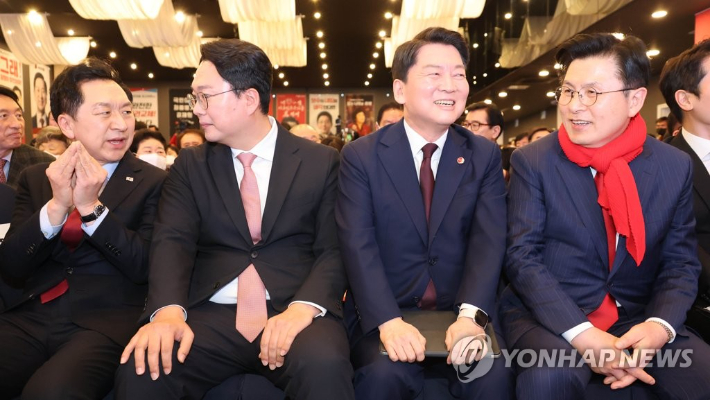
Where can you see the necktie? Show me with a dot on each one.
(426, 184)
(607, 313)
(3, 178)
(71, 236)
(251, 293)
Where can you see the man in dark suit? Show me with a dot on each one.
(79, 242)
(14, 156)
(687, 92)
(601, 249)
(246, 218)
(420, 215)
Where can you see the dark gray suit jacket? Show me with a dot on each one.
(23, 157)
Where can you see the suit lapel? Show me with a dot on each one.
(701, 178)
(395, 154)
(283, 171)
(448, 178)
(583, 192)
(124, 180)
(221, 166)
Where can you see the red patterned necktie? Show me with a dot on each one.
(426, 184)
(607, 314)
(3, 178)
(71, 236)
(251, 293)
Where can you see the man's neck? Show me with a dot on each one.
(5, 152)
(250, 135)
(695, 127)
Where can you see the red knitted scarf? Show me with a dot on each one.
(616, 186)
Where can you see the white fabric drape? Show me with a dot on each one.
(404, 29)
(254, 10)
(30, 39)
(432, 9)
(273, 34)
(164, 30)
(293, 57)
(181, 57)
(587, 7)
(117, 9)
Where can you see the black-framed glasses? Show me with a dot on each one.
(588, 97)
(473, 125)
(201, 98)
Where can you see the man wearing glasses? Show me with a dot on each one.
(601, 249)
(245, 275)
(484, 120)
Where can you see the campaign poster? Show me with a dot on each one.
(359, 113)
(11, 73)
(145, 105)
(323, 103)
(291, 105)
(39, 96)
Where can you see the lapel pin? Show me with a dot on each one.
(460, 160)
(129, 178)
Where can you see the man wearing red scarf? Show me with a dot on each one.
(601, 248)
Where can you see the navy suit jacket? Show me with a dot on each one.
(388, 250)
(557, 259)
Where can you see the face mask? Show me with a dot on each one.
(661, 131)
(155, 159)
(169, 160)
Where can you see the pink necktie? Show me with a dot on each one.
(3, 178)
(251, 295)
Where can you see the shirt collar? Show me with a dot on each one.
(266, 147)
(416, 141)
(700, 146)
(110, 168)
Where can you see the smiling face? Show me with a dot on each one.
(150, 146)
(40, 95)
(435, 93)
(596, 125)
(103, 123)
(12, 125)
(324, 124)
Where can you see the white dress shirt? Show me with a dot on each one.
(6, 168)
(700, 146)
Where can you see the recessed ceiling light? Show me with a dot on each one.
(375, 54)
(285, 83)
(497, 65)
(372, 66)
(388, 15)
(516, 107)
(134, 65)
(9, 31)
(503, 94)
(382, 33)
(326, 75)
(653, 52)
(488, 101)
(112, 54)
(276, 66)
(281, 75)
(550, 94)
(485, 34)
(508, 16)
(659, 14)
(618, 35)
(34, 17)
(326, 83)
(70, 32)
(322, 55)
(475, 45)
(544, 72)
(150, 75)
(475, 82)
(92, 44)
(558, 66)
(321, 45)
(378, 45)
(369, 76)
(316, 15)
(485, 74)
(180, 17)
(319, 34)
(367, 83)
(38, 44)
(324, 66)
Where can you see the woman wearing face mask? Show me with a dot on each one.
(149, 146)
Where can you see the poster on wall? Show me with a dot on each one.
(39, 94)
(323, 109)
(11, 73)
(145, 105)
(359, 113)
(181, 116)
(291, 105)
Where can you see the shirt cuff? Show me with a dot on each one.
(322, 310)
(666, 324)
(184, 312)
(91, 229)
(48, 230)
(466, 306)
(570, 334)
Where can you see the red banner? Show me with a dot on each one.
(291, 105)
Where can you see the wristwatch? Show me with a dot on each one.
(98, 210)
(478, 316)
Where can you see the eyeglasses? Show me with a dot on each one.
(202, 98)
(473, 125)
(588, 97)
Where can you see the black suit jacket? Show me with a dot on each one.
(23, 157)
(108, 272)
(202, 241)
(701, 207)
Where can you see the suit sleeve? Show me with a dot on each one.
(354, 214)
(486, 240)
(326, 281)
(525, 267)
(676, 284)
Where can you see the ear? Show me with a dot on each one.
(66, 124)
(636, 100)
(398, 90)
(496, 132)
(684, 100)
(253, 100)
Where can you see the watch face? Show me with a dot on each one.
(481, 318)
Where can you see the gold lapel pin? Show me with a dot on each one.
(129, 178)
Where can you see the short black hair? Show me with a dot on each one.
(243, 65)
(143, 134)
(406, 54)
(520, 137)
(65, 94)
(393, 105)
(684, 72)
(7, 92)
(495, 116)
(325, 113)
(633, 65)
(194, 131)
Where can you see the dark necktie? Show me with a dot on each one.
(3, 178)
(71, 236)
(426, 183)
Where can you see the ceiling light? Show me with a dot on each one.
(503, 94)
(544, 72)
(285, 83)
(485, 34)
(367, 83)
(326, 83)
(326, 75)
(378, 45)
(134, 66)
(322, 55)
(199, 33)
(653, 52)
(558, 66)
(388, 15)
(550, 94)
(92, 44)
(382, 33)
(618, 35)
(324, 66)
(369, 76)
(321, 45)
(180, 17)
(475, 82)
(112, 54)
(516, 107)
(70, 32)
(9, 31)
(342, 94)
(281, 75)
(34, 17)
(508, 16)
(474, 77)
(475, 45)
(316, 15)
(488, 101)
(273, 96)
(372, 66)
(659, 14)
(485, 74)
(319, 34)
(375, 54)
(150, 75)
(167, 54)
(193, 75)
(497, 65)
(276, 66)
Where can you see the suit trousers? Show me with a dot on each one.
(316, 367)
(46, 356)
(570, 383)
(378, 377)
